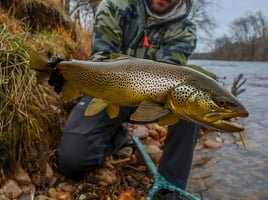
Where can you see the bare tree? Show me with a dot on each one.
(82, 5)
(247, 30)
(205, 23)
(82, 11)
(247, 41)
(224, 49)
(66, 5)
(259, 24)
(200, 15)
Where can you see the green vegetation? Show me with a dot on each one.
(32, 116)
(22, 118)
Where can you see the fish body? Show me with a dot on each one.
(161, 91)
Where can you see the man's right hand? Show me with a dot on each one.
(56, 79)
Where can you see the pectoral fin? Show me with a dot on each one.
(149, 111)
(168, 120)
(69, 92)
(95, 106)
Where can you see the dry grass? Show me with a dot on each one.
(42, 14)
(59, 42)
(31, 115)
(27, 114)
(53, 32)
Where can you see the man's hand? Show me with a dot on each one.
(56, 79)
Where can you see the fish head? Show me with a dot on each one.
(207, 103)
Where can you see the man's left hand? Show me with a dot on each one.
(56, 79)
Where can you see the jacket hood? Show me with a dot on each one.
(181, 10)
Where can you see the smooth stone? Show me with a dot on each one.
(22, 177)
(11, 189)
(212, 144)
(140, 132)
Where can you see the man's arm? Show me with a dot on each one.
(107, 33)
(179, 45)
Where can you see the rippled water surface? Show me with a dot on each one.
(231, 172)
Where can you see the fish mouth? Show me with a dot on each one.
(225, 122)
(228, 125)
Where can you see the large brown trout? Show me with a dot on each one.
(161, 91)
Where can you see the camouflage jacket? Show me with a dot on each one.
(122, 25)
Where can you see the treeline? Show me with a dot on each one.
(248, 40)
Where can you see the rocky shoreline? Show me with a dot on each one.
(122, 177)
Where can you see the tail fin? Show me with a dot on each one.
(38, 63)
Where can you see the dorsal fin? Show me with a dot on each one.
(119, 56)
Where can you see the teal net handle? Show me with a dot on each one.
(159, 182)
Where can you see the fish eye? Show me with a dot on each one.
(221, 101)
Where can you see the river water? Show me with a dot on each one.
(231, 172)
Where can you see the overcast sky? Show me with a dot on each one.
(226, 11)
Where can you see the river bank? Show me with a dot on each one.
(121, 175)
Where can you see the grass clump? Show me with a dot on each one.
(32, 115)
(27, 114)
